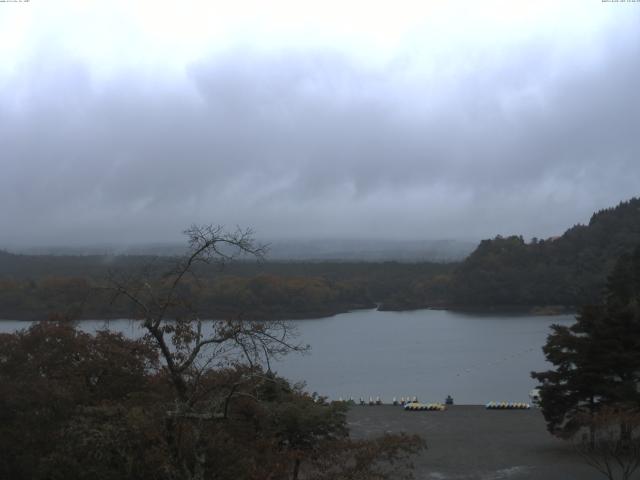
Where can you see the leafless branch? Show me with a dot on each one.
(614, 444)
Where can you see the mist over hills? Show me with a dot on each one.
(371, 250)
(367, 250)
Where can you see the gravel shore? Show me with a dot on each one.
(468, 442)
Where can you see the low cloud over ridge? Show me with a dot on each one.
(315, 141)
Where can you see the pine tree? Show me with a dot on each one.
(597, 359)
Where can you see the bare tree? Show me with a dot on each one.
(613, 445)
(190, 347)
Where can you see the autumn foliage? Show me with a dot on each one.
(76, 406)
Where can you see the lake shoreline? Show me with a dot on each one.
(538, 310)
(542, 311)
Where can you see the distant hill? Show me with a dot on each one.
(298, 250)
(371, 250)
(569, 270)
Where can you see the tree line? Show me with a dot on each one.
(34, 287)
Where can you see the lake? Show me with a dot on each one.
(427, 353)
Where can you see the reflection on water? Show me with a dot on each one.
(427, 353)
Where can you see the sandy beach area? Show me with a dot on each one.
(468, 442)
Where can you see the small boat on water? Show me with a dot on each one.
(507, 406)
(416, 406)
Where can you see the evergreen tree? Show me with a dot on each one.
(597, 360)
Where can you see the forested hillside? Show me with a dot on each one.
(569, 270)
(33, 287)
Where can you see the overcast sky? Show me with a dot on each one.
(128, 121)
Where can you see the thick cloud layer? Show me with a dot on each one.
(527, 137)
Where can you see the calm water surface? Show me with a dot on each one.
(427, 353)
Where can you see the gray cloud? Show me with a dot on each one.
(301, 143)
